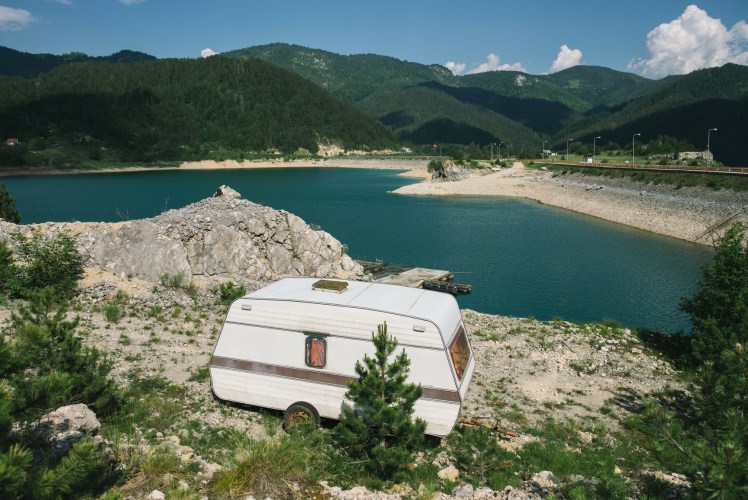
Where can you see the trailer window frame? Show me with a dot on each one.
(460, 352)
(315, 351)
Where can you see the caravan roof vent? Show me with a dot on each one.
(330, 286)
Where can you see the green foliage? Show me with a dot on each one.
(7, 269)
(127, 113)
(709, 441)
(65, 371)
(435, 165)
(379, 427)
(44, 365)
(112, 313)
(8, 210)
(42, 262)
(715, 95)
(202, 374)
(718, 308)
(477, 453)
(228, 292)
(266, 468)
(177, 282)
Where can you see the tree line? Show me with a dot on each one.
(173, 110)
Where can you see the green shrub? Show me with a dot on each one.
(228, 292)
(44, 365)
(42, 262)
(435, 165)
(171, 280)
(177, 282)
(112, 313)
(8, 210)
(477, 453)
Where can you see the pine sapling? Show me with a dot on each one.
(379, 428)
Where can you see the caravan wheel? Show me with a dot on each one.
(300, 413)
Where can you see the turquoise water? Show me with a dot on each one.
(522, 258)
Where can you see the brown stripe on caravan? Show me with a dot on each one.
(315, 376)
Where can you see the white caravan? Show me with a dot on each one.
(293, 346)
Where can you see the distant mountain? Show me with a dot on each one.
(601, 87)
(351, 78)
(175, 110)
(684, 107)
(499, 105)
(16, 63)
(424, 104)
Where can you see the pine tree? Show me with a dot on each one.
(8, 210)
(711, 444)
(716, 307)
(379, 428)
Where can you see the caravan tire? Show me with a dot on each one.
(299, 413)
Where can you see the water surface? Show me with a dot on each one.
(522, 258)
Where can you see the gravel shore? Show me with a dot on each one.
(687, 213)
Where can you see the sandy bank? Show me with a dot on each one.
(685, 213)
(414, 167)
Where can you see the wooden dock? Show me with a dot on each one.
(414, 277)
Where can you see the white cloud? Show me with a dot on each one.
(207, 53)
(492, 63)
(131, 2)
(566, 58)
(65, 2)
(455, 68)
(14, 19)
(691, 42)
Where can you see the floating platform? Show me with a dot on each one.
(414, 277)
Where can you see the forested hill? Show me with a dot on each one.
(177, 110)
(427, 103)
(684, 107)
(16, 63)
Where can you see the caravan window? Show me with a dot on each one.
(460, 352)
(316, 351)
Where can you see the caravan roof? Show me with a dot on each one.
(436, 307)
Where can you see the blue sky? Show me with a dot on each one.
(649, 37)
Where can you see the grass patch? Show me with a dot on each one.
(266, 468)
(201, 374)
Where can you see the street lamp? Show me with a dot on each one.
(708, 140)
(633, 144)
(542, 151)
(500, 144)
(593, 148)
(567, 149)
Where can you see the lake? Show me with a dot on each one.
(521, 258)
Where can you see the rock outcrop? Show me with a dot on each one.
(221, 237)
(450, 172)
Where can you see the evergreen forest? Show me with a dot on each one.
(173, 110)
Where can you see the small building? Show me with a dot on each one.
(11, 141)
